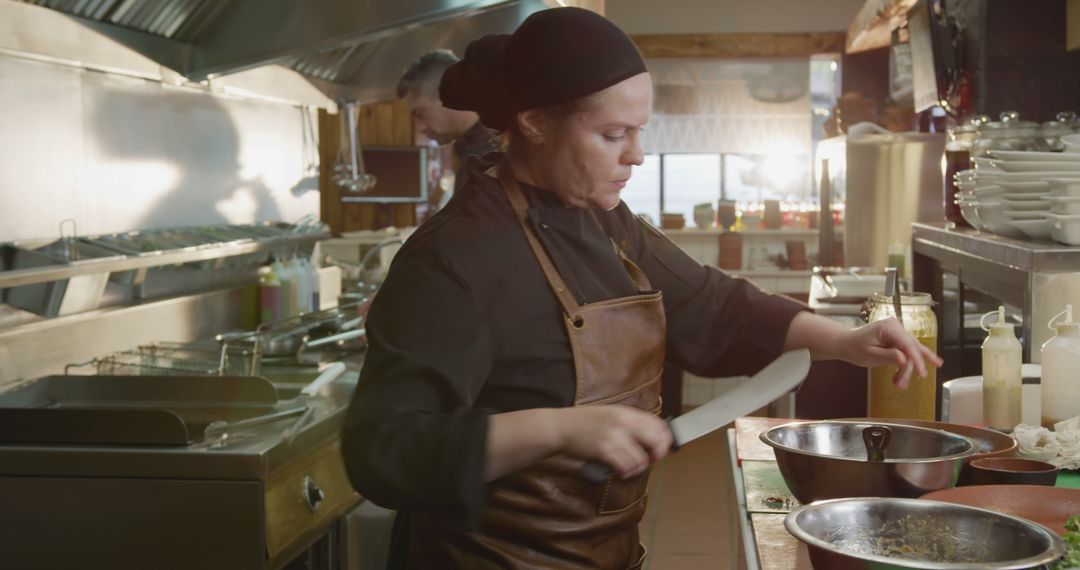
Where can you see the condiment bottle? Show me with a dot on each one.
(1060, 370)
(918, 401)
(270, 296)
(1002, 380)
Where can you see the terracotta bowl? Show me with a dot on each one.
(1012, 471)
(1048, 506)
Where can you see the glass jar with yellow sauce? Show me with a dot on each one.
(917, 402)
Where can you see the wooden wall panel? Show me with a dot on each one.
(330, 210)
(403, 125)
(739, 45)
(368, 134)
(385, 123)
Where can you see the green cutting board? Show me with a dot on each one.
(1069, 479)
(766, 491)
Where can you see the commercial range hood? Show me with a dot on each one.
(354, 49)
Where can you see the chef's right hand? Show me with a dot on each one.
(626, 439)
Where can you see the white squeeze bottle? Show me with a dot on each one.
(1061, 371)
(1002, 381)
(288, 287)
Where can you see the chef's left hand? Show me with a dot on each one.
(886, 342)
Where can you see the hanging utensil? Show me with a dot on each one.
(349, 170)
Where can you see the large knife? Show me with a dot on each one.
(778, 378)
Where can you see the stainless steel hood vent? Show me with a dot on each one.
(349, 48)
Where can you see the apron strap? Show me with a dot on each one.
(637, 276)
(521, 208)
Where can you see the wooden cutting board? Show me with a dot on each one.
(748, 444)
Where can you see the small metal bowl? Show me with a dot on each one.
(830, 459)
(886, 534)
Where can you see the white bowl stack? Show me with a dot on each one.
(1024, 194)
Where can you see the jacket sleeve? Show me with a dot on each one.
(718, 325)
(411, 439)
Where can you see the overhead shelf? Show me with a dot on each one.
(30, 276)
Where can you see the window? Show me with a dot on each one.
(755, 178)
(690, 179)
(740, 130)
(642, 192)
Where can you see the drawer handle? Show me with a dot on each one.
(313, 495)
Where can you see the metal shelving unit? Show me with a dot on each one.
(1006, 269)
(35, 275)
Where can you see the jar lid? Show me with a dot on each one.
(1012, 119)
(1056, 128)
(914, 299)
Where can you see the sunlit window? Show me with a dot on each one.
(690, 179)
(755, 178)
(642, 192)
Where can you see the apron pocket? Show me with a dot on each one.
(620, 495)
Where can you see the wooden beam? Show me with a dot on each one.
(739, 45)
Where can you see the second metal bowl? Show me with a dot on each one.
(888, 534)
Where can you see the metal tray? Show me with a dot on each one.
(129, 410)
(50, 299)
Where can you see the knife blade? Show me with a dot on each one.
(777, 378)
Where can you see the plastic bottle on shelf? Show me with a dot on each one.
(313, 276)
(1002, 381)
(1060, 367)
(303, 285)
(270, 296)
(299, 287)
(288, 288)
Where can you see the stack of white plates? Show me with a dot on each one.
(1020, 193)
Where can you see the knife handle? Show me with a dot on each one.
(597, 473)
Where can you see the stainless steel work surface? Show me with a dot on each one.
(251, 453)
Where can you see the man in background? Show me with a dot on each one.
(419, 88)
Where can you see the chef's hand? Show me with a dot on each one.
(626, 439)
(879, 343)
(886, 342)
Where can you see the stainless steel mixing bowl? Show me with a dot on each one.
(829, 459)
(864, 533)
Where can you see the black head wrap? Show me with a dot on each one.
(556, 56)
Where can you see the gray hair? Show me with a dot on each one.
(422, 77)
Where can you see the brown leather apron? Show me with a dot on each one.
(547, 516)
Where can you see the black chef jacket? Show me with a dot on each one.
(465, 325)
(478, 141)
